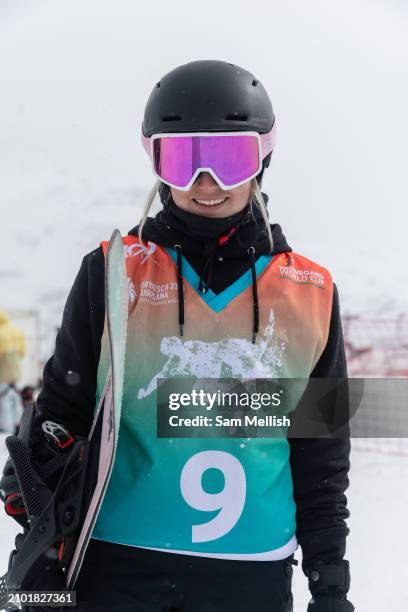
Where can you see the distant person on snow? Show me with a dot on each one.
(11, 409)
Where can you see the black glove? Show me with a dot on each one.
(330, 603)
(329, 585)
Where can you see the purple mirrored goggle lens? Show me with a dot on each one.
(232, 158)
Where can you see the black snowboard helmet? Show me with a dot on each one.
(209, 95)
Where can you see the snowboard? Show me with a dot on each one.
(103, 436)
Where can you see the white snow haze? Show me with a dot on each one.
(74, 78)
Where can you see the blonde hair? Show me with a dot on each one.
(256, 198)
(151, 198)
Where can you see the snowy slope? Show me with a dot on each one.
(376, 546)
(75, 77)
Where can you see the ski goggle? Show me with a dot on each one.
(232, 158)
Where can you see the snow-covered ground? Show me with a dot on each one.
(377, 545)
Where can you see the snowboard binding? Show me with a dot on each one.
(43, 488)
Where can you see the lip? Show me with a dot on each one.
(225, 198)
(210, 206)
(210, 197)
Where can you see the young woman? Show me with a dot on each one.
(214, 292)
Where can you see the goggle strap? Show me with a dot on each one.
(268, 142)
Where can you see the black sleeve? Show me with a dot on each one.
(320, 469)
(69, 377)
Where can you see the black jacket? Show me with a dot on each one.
(319, 466)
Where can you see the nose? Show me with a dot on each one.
(204, 179)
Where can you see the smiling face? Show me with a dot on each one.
(206, 198)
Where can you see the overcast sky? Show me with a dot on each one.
(75, 76)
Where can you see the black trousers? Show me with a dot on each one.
(119, 578)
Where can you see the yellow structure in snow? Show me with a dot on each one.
(12, 350)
